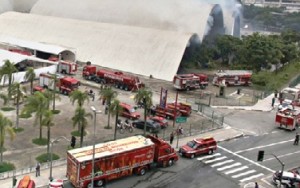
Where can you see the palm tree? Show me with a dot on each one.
(6, 73)
(18, 95)
(29, 77)
(5, 127)
(79, 96)
(80, 119)
(144, 96)
(4, 98)
(37, 103)
(48, 122)
(115, 109)
(108, 94)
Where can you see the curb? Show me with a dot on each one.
(231, 138)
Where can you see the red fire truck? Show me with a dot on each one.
(183, 108)
(168, 113)
(116, 159)
(190, 81)
(290, 96)
(64, 67)
(232, 78)
(118, 79)
(288, 118)
(65, 85)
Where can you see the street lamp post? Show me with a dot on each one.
(51, 152)
(93, 159)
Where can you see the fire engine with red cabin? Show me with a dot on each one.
(117, 78)
(64, 67)
(183, 108)
(232, 78)
(64, 84)
(288, 118)
(165, 112)
(116, 159)
(190, 81)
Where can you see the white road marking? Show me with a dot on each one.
(246, 159)
(280, 156)
(266, 181)
(251, 177)
(213, 160)
(229, 166)
(236, 170)
(244, 173)
(263, 146)
(222, 163)
(208, 157)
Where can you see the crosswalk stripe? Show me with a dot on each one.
(216, 159)
(229, 166)
(222, 163)
(251, 177)
(236, 170)
(209, 156)
(243, 174)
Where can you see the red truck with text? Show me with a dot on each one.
(116, 159)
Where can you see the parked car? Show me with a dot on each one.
(151, 126)
(162, 121)
(198, 146)
(289, 179)
(129, 111)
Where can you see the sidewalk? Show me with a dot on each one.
(59, 172)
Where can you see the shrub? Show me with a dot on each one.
(5, 166)
(44, 157)
(19, 129)
(55, 111)
(7, 108)
(25, 116)
(77, 133)
(40, 142)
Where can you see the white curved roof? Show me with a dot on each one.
(138, 50)
(188, 16)
(52, 49)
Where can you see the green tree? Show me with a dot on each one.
(6, 74)
(144, 96)
(38, 104)
(227, 47)
(115, 109)
(48, 122)
(108, 94)
(29, 77)
(5, 127)
(79, 97)
(4, 97)
(80, 119)
(18, 93)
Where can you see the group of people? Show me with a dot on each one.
(179, 131)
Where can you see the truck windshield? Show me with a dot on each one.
(191, 144)
(74, 86)
(132, 110)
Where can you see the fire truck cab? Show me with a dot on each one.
(288, 118)
(290, 96)
(232, 78)
(64, 67)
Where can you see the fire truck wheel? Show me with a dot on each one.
(126, 88)
(188, 88)
(142, 171)
(170, 162)
(168, 117)
(192, 156)
(99, 183)
(210, 152)
(65, 92)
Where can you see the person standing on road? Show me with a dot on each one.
(38, 170)
(296, 142)
(273, 101)
(171, 137)
(256, 185)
